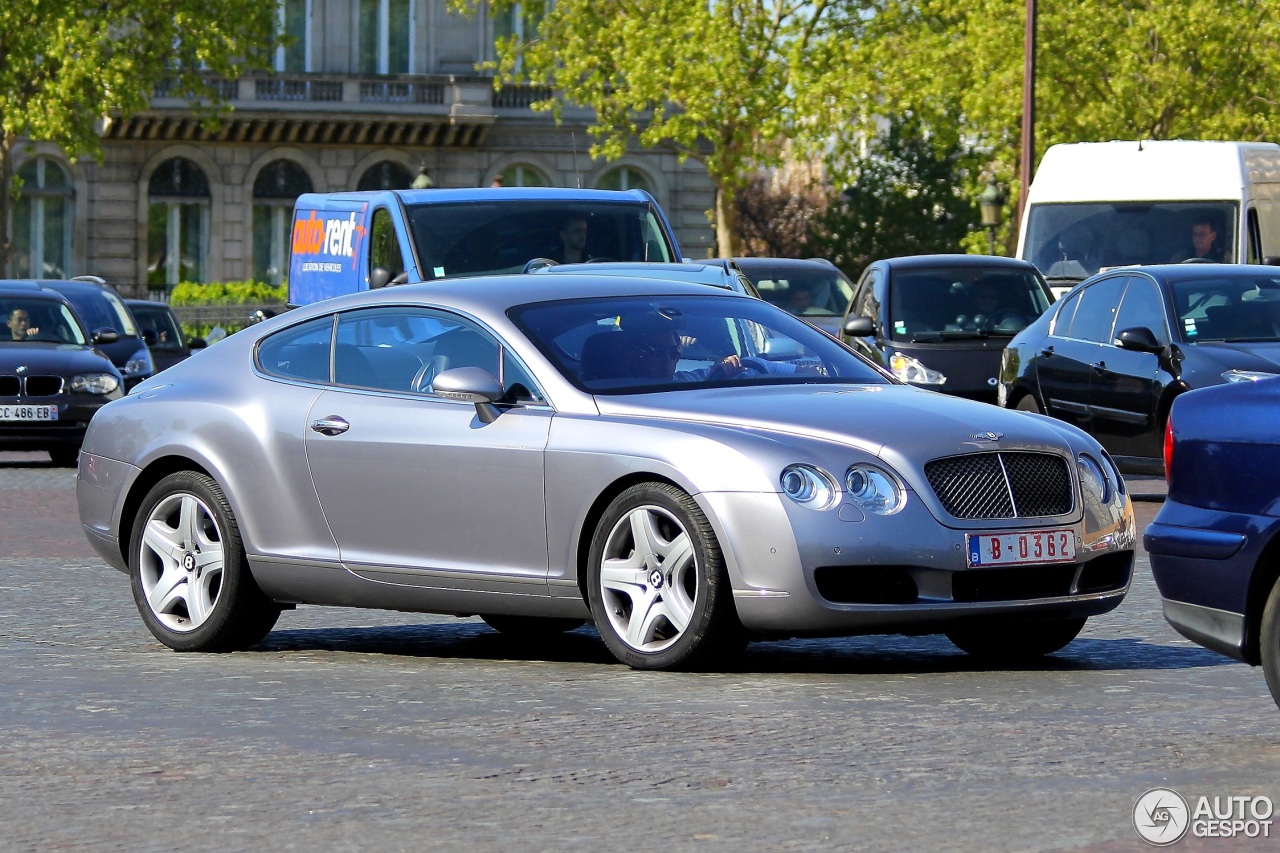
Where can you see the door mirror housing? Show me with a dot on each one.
(859, 327)
(105, 336)
(471, 385)
(1139, 339)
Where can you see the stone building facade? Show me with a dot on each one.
(370, 93)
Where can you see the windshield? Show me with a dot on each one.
(160, 321)
(938, 304)
(804, 292)
(1074, 241)
(483, 238)
(102, 309)
(32, 320)
(1228, 308)
(634, 344)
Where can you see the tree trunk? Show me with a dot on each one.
(728, 244)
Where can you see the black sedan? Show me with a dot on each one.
(941, 321)
(52, 380)
(162, 332)
(1115, 352)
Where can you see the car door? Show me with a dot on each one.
(1126, 388)
(1061, 367)
(416, 488)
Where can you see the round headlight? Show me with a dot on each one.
(808, 486)
(94, 383)
(874, 490)
(1094, 478)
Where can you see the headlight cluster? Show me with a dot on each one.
(1094, 476)
(910, 369)
(139, 364)
(94, 383)
(872, 489)
(1247, 375)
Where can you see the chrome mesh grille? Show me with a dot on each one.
(1002, 485)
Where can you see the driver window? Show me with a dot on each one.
(384, 245)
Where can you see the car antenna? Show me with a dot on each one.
(573, 140)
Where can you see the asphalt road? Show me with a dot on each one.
(362, 730)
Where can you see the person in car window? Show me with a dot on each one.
(573, 239)
(1204, 242)
(20, 327)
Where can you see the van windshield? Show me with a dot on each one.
(489, 237)
(1070, 242)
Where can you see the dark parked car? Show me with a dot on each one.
(941, 321)
(1115, 352)
(812, 288)
(162, 332)
(102, 310)
(1213, 545)
(52, 380)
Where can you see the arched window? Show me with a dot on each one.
(177, 223)
(521, 175)
(386, 36)
(625, 178)
(275, 190)
(387, 175)
(42, 222)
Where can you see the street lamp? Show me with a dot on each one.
(990, 203)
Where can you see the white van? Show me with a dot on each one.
(1096, 205)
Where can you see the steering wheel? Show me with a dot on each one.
(1008, 318)
(756, 365)
(603, 259)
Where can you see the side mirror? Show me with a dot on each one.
(197, 343)
(379, 277)
(105, 336)
(1139, 339)
(149, 337)
(1272, 260)
(471, 385)
(859, 327)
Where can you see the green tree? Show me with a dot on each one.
(66, 65)
(1106, 69)
(908, 197)
(715, 81)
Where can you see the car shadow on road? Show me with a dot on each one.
(878, 655)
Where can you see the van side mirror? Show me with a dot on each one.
(379, 277)
(859, 327)
(1139, 339)
(197, 343)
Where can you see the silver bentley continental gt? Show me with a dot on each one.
(685, 467)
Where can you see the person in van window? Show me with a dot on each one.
(1204, 242)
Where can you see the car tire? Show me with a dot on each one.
(64, 457)
(663, 602)
(190, 576)
(1269, 642)
(530, 627)
(1009, 640)
(1028, 403)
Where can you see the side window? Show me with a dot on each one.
(384, 245)
(299, 352)
(870, 294)
(1254, 249)
(1066, 312)
(1142, 306)
(1095, 316)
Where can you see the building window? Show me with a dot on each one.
(387, 175)
(42, 222)
(177, 223)
(386, 30)
(519, 21)
(521, 175)
(294, 20)
(275, 190)
(625, 178)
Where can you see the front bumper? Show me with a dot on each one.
(67, 431)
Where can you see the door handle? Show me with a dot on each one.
(1099, 367)
(1046, 352)
(331, 425)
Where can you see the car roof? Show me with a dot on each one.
(1186, 271)
(784, 263)
(12, 289)
(954, 260)
(520, 194)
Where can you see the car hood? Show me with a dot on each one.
(1242, 355)
(50, 358)
(921, 424)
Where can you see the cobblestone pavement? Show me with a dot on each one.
(362, 730)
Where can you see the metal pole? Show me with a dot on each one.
(991, 234)
(1028, 108)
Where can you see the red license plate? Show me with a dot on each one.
(1012, 548)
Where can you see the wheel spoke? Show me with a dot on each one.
(645, 612)
(188, 519)
(644, 533)
(199, 598)
(164, 540)
(676, 554)
(622, 575)
(676, 609)
(168, 590)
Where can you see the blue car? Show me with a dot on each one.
(1215, 544)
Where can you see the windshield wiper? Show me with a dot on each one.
(934, 337)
